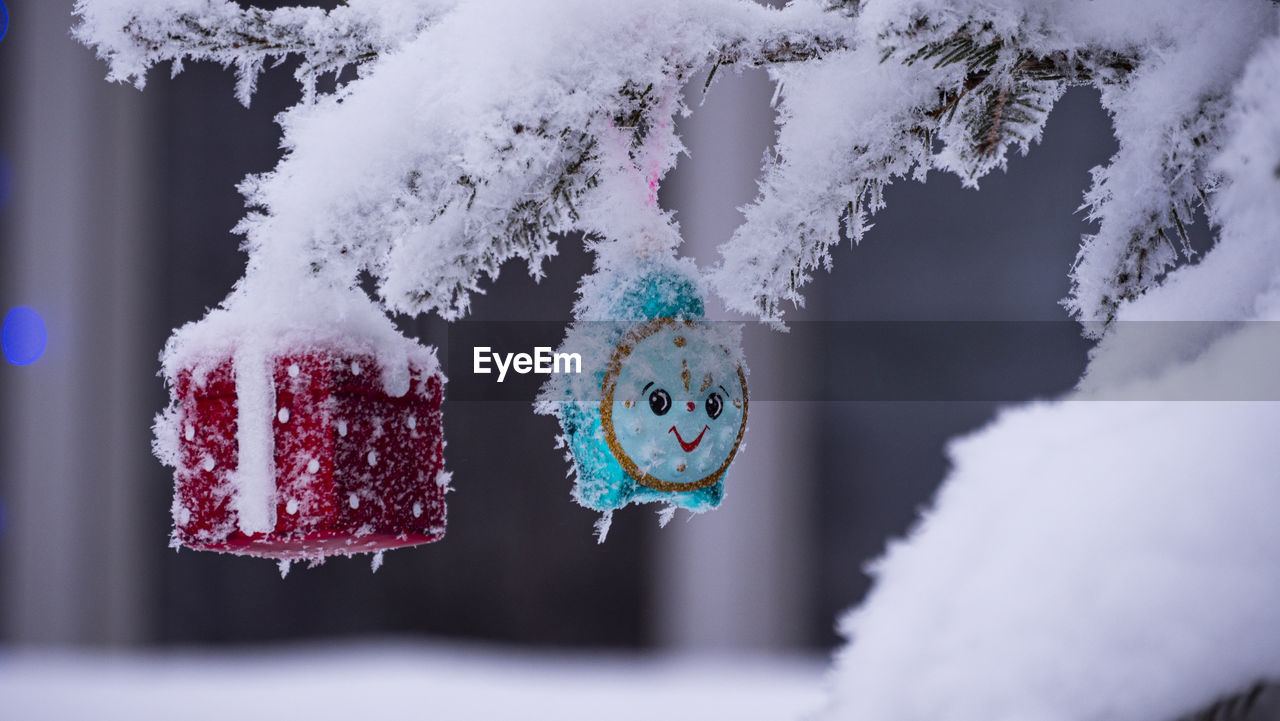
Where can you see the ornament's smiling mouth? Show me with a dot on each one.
(688, 447)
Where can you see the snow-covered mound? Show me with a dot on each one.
(401, 681)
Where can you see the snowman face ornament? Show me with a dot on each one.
(674, 407)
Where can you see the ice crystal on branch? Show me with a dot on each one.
(134, 36)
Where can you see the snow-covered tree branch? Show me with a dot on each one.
(939, 86)
(133, 37)
(488, 172)
(326, 41)
(947, 86)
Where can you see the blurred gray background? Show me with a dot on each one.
(117, 231)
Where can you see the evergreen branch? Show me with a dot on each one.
(980, 50)
(1147, 258)
(524, 230)
(1006, 91)
(134, 40)
(990, 131)
(1011, 99)
(263, 33)
(778, 49)
(1134, 248)
(1005, 96)
(1002, 97)
(328, 41)
(1237, 707)
(850, 8)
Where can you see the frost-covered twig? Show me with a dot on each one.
(779, 48)
(134, 36)
(952, 86)
(1239, 707)
(932, 95)
(1135, 244)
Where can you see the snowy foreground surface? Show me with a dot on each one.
(388, 680)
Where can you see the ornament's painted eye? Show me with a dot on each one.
(714, 405)
(659, 402)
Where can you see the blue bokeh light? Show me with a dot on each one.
(4, 19)
(23, 336)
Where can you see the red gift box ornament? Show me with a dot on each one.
(306, 450)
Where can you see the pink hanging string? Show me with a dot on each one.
(647, 161)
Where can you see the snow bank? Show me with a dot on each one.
(1085, 560)
(388, 681)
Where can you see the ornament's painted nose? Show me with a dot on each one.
(689, 406)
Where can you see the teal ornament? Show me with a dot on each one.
(659, 412)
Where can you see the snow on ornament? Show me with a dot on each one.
(661, 410)
(302, 442)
